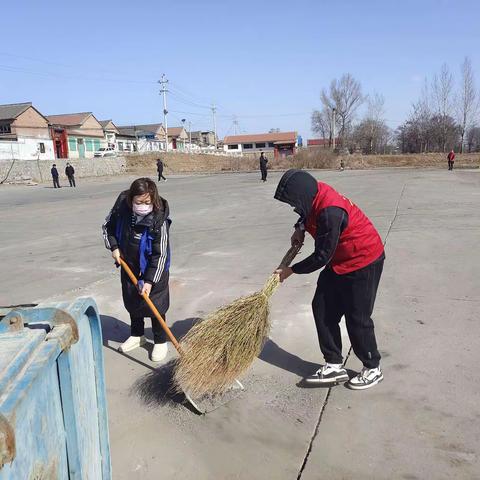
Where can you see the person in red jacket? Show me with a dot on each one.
(451, 159)
(351, 250)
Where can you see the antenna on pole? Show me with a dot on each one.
(163, 82)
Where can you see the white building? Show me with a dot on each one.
(281, 144)
(24, 133)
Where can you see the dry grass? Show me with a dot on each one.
(222, 347)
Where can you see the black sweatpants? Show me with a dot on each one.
(56, 183)
(138, 328)
(264, 173)
(352, 295)
(71, 179)
(450, 165)
(160, 175)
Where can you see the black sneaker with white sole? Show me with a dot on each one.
(327, 374)
(367, 378)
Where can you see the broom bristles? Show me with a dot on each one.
(222, 347)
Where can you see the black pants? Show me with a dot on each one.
(71, 179)
(160, 176)
(352, 295)
(450, 165)
(264, 173)
(138, 328)
(56, 183)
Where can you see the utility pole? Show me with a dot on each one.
(235, 125)
(214, 110)
(334, 111)
(190, 135)
(163, 82)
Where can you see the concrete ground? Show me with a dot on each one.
(228, 235)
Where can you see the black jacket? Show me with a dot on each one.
(128, 241)
(263, 162)
(159, 166)
(54, 172)
(69, 171)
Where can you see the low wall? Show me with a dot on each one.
(39, 170)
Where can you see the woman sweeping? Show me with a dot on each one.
(137, 230)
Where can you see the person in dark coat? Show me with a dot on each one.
(160, 169)
(351, 250)
(451, 159)
(263, 166)
(54, 173)
(70, 173)
(137, 229)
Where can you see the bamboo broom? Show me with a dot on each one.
(222, 347)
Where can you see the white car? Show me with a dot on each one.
(105, 152)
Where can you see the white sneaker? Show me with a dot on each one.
(367, 378)
(159, 352)
(328, 373)
(131, 343)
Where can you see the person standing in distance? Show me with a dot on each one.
(54, 173)
(160, 166)
(263, 166)
(70, 173)
(451, 159)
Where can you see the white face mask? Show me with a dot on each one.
(142, 209)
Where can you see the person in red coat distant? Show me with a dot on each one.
(351, 250)
(451, 159)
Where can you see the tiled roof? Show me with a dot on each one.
(287, 137)
(175, 131)
(13, 110)
(68, 119)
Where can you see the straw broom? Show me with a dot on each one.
(222, 347)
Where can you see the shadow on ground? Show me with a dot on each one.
(155, 388)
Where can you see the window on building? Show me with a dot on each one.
(5, 128)
(260, 145)
(233, 147)
(89, 145)
(247, 146)
(96, 144)
(271, 144)
(41, 146)
(72, 144)
(120, 146)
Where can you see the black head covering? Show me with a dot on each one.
(298, 189)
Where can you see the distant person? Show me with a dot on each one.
(451, 159)
(54, 173)
(70, 173)
(263, 166)
(160, 166)
(137, 230)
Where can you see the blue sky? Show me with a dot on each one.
(264, 61)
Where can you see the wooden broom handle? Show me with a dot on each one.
(290, 255)
(153, 308)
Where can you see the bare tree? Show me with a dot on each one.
(322, 124)
(442, 93)
(345, 95)
(466, 101)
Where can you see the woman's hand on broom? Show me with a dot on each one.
(116, 256)
(283, 273)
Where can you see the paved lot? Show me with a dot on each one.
(227, 236)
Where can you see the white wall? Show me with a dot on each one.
(26, 149)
